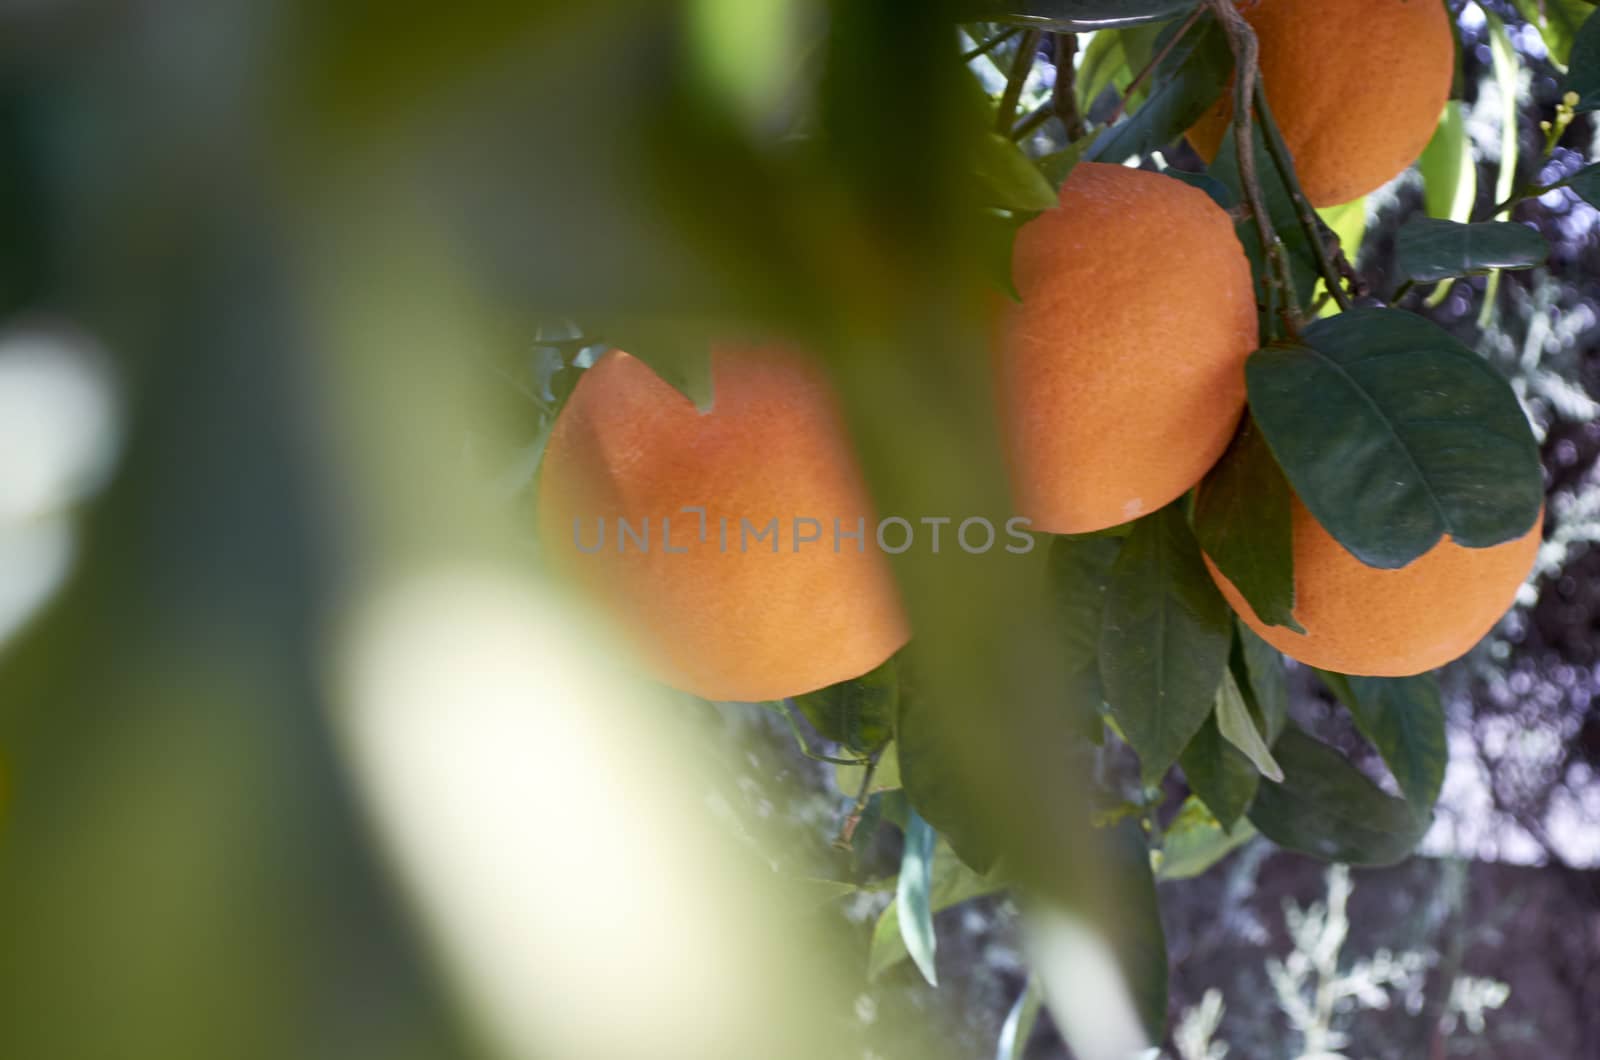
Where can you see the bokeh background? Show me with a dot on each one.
(300, 755)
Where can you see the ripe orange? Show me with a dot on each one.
(1355, 85)
(734, 615)
(1390, 623)
(1121, 373)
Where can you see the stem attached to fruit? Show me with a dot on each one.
(1246, 55)
(1302, 207)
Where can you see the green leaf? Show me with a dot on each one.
(952, 883)
(678, 352)
(1058, 165)
(1164, 641)
(1010, 179)
(1394, 434)
(1112, 59)
(1558, 22)
(1141, 943)
(1068, 16)
(1207, 183)
(884, 778)
(1080, 572)
(1403, 718)
(1219, 774)
(925, 774)
(995, 237)
(1326, 808)
(1586, 182)
(1264, 682)
(857, 714)
(1195, 841)
(1239, 729)
(1188, 80)
(1428, 249)
(1583, 76)
(913, 897)
(1449, 175)
(1018, 1027)
(1241, 519)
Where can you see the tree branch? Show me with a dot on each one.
(1027, 49)
(1064, 94)
(1302, 207)
(1155, 60)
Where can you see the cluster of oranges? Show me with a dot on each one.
(1120, 383)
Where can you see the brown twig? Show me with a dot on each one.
(1302, 207)
(847, 831)
(1027, 50)
(1064, 94)
(1155, 60)
(1246, 61)
(990, 45)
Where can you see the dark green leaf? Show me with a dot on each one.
(1062, 16)
(1165, 638)
(1080, 571)
(1428, 249)
(1449, 175)
(1207, 183)
(1263, 681)
(1393, 434)
(1141, 944)
(1403, 718)
(913, 897)
(859, 713)
(952, 883)
(1326, 808)
(1010, 179)
(926, 778)
(1583, 73)
(1241, 520)
(1195, 841)
(1219, 774)
(1188, 80)
(1586, 182)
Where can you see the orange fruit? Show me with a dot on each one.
(1390, 623)
(759, 603)
(1121, 372)
(1356, 87)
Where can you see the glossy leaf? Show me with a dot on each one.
(1219, 774)
(1449, 175)
(1188, 80)
(857, 714)
(1236, 726)
(952, 883)
(1393, 434)
(1009, 178)
(913, 897)
(1165, 638)
(1428, 249)
(1061, 16)
(1403, 718)
(1057, 165)
(1020, 1020)
(1326, 808)
(1241, 520)
(1583, 74)
(1080, 571)
(1195, 841)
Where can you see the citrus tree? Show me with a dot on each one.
(1227, 448)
